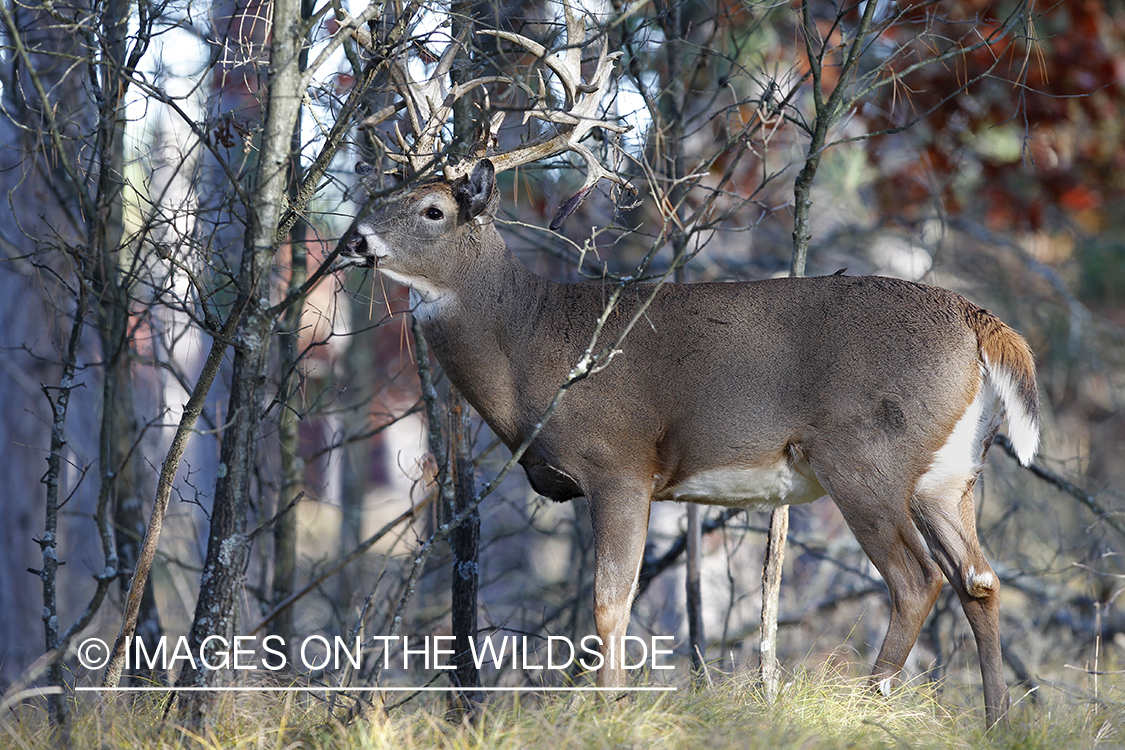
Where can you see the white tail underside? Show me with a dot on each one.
(1023, 431)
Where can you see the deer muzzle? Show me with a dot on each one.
(357, 251)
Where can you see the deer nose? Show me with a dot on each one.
(357, 245)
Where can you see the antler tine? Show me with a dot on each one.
(569, 75)
(575, 38)
(417, 96)
(429, 103)
(423, 108)
(583, 101)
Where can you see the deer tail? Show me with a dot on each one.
(1010, 368)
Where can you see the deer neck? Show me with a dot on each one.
(478, 328)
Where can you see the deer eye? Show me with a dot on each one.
(433, 214)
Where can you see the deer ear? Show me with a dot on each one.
(474, 192)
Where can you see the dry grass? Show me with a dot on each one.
(818, 710)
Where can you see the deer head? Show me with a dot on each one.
(443, 230)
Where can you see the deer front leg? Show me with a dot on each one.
(619, 515)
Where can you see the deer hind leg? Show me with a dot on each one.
(883, 527)
(946, 520)
(619, 515)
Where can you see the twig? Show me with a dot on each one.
(650, 569)
(276, 517)
(1066, 486)
(339, 564)
(49, 543)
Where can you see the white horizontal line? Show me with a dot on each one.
(327, 689)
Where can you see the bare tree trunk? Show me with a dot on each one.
(288, 420)
(464, 542)
(216, 611)
(120, 431)
(292, 467)
(768, 667)
(696, 638)
(58, 706)
(121, 478)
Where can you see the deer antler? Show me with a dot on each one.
(429, 103)
(428, 106)
(582, 102)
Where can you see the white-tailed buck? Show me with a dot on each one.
(883, 394)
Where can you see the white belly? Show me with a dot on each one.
(759, 487)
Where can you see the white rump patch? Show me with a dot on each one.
(961, 459)
(1022, 430)
(760, 487)
(885, 686)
